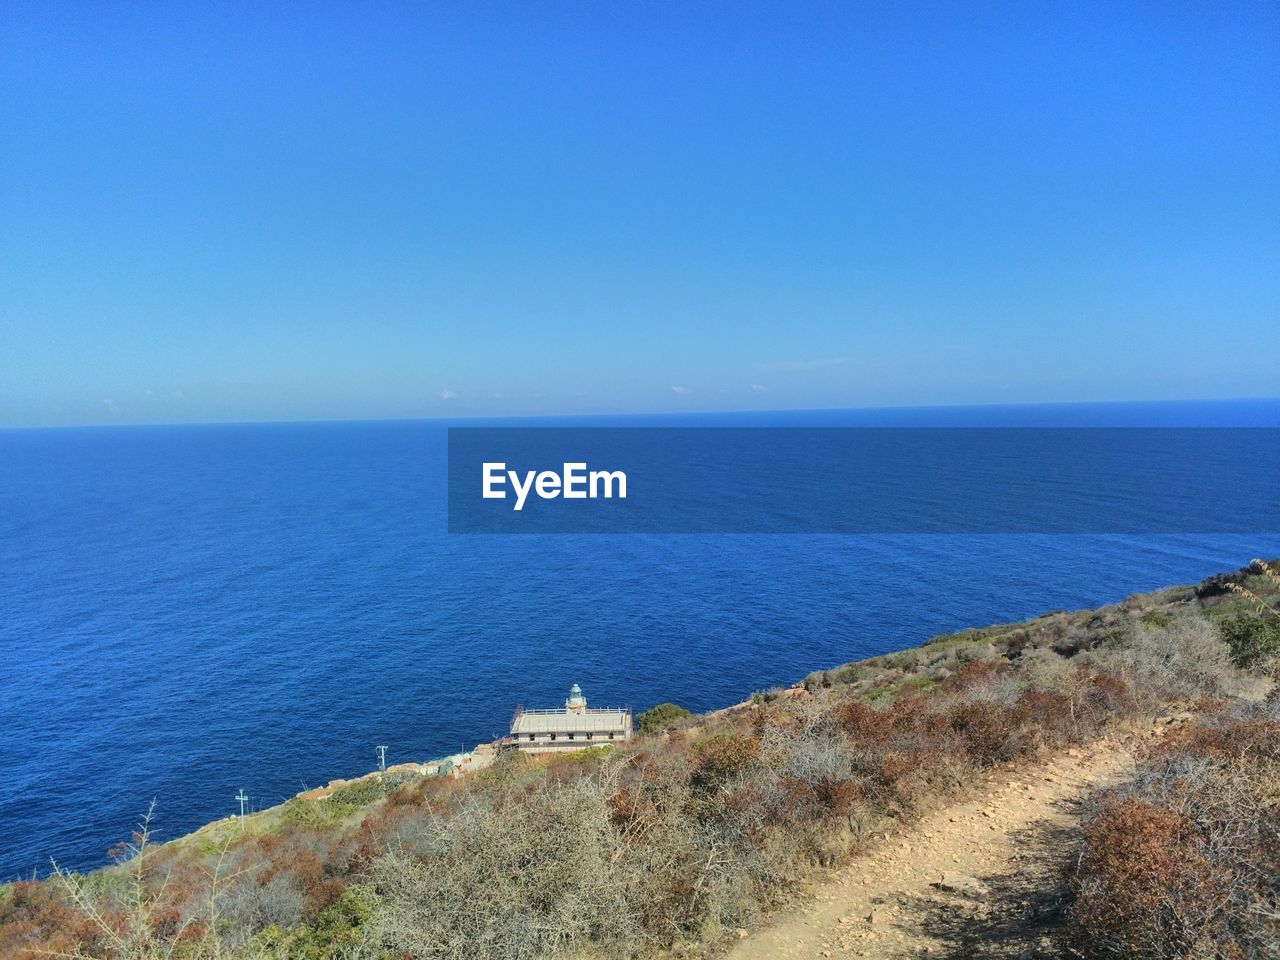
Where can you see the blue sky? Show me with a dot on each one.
(261, 211)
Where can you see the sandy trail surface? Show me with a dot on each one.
(980, 878)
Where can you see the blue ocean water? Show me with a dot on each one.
(188, 611)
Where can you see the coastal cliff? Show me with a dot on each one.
(707, 828)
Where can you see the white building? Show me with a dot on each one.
(576, 727)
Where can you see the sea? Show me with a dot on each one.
(191, 611)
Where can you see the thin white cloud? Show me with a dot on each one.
(447, 394)
(759, 388)
(814, 364)
(111, 405)
(682, 391)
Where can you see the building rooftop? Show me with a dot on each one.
(562, 721)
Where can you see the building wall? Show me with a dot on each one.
(542, 742)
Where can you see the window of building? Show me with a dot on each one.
(553, 736)
(531, 736)
(571, 736)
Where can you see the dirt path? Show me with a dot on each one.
(977, 879)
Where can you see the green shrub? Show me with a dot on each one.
(1157, 618)
(337, 931)
(1252, 637)
(661, 717)
(360, 792)
(316, 814)
(510, 768)
(917, 684)
(849, 673)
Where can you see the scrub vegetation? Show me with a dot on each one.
(702, 827)
(1184, 860)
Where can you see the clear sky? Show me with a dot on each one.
(216, 211)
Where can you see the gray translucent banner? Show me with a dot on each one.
(863, 480)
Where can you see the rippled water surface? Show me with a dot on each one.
(185, 611)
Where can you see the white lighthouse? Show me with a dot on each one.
(569, 729)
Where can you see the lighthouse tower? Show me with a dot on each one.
(576, 703)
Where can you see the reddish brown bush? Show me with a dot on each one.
(839, 796)
(1107, 695)
(893, 766)
(1230, 742)
(972, 673)
(984, 727)
(862, 722)
(1146, 890)
(321, 894)
(796, 793)
(625, 807)
(36, 916)
(1185, 862)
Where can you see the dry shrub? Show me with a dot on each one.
(1043, 721)
(1235, 741)
(864, 723)
(695, 863)
(1001, 730)
(839, 796)
(724, 757)
(35, 916)
(975, 673)
(150, 906)
(1185, 659)
(1105, 696)
(1185, 861)
(252, 906)
(1146, 889)
(984, 728)
(537, 879)
(819, 786)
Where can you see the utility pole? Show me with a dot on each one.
(382, 757)
(243, 798)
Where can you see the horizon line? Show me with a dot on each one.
(646, 413)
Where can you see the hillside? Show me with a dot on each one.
(709, 828)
